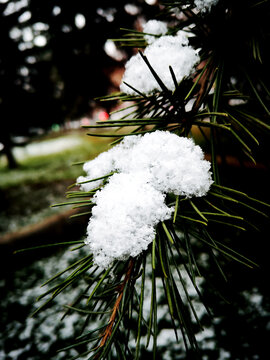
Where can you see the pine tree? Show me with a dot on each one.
(200, 74)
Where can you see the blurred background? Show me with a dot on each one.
(56, 57)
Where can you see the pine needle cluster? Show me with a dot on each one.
(226, 101)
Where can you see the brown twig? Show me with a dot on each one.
(203, 82)
(108, 331)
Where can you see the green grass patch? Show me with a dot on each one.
(53, 167)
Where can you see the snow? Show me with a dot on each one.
(164, 52)
(154, 27)
(132, 203)
(100, 166)
(205, 5)
(169, 162)
(172, 164)
(26, 337)
(46, 147)
(123, 220)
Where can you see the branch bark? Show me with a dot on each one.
(108, 331)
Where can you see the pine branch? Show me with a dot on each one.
(109, 328)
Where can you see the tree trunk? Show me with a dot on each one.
(12, 163)
(7, 150)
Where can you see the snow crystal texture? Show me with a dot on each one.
(132, 203)
(123, 220)
(154, 27)
(205, 5)
(164, 52)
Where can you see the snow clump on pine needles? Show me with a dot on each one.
(123, 220)
(164, 52)
(132, 203)
(154, 27)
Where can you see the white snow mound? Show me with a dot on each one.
(132, 203)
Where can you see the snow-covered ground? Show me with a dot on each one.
(23, 337)
(47, 147)
(39, 337)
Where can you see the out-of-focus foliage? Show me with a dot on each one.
(52, 58)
